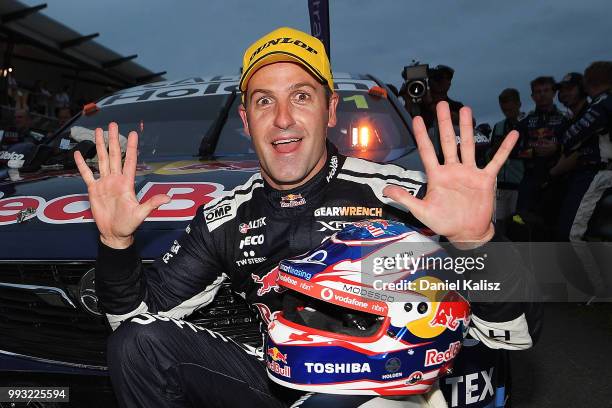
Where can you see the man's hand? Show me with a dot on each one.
(113, 201)
(564, 165)
(460, 197)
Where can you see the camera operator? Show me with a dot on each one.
(440, 81)
(424, 87)
(539, 144)
(422, 90)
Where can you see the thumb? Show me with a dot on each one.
(403, 197)
(152, 204)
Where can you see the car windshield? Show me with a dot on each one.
(368, 127)
(166, 128)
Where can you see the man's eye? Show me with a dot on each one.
(264, 101)
(302, 96)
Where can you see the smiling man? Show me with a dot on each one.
(291, 111)
(157, 359)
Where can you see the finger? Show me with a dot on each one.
(102, 153)
(84, 169)
(467, 146)
(131, 156)
(153, 203)
(503, 153)
(448, 139)
(426, 149)
(400, 195)
(114, 151)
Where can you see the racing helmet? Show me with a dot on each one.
(357, 320)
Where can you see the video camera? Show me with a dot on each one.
(416, 81)
(417, 76)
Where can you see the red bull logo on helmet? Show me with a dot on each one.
(275, 354)
(285, 371)
(435, 357)
(452, 310)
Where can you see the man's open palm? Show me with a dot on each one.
(113, 201)
(460, 197)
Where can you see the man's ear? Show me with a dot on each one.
(243, 115)
(333, 104)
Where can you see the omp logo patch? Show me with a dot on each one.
(217, 213)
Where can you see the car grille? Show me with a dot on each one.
(55, 326)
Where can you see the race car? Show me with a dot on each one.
(191, 147)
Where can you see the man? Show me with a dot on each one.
(62, 99)
(63, 116)
(154, 358)
(440, 81)
(575, 169)
(540, 143)
(591, 138)
(22, 132)
(511, 173)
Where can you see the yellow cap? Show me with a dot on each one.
(287, 45)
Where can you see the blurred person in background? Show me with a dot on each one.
(590, 136)
(62, 99)
(539, 144)
(440, 81)
(18, 97)
(63, 116)
(511, 174)
(575, 169)
(22, 131)
(40, 98)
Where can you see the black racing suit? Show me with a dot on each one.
(156, 359)
(591, 136)
(538, 126)
(577, 181)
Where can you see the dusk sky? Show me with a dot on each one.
(491, 44)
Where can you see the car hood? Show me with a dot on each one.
(46, 216)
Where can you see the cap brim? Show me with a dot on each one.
(278, 56)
